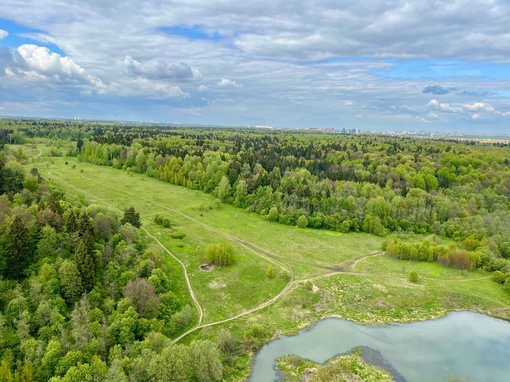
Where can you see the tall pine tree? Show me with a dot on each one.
(86, 266)
(18, 250)
(132, 217)
(86, 232)
(84, 254)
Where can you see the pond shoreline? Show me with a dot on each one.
(365, 336)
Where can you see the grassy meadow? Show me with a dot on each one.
(325, 273)
(294, 252)
(223, 292)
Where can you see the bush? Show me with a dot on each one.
(499, 277)
(273, 214)
(177, 234)
(302, 221)
(220, 254)
(160, 220)
(270, 272)
(413, 276)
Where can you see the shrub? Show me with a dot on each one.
(302, 221)
(160, 220)
(220, 254)
(273, 214)
(413, 276)
(499, 277)
(270, 272)
(177, 234)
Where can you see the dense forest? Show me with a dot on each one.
(457, 189)
(83, 296)
(81, 285)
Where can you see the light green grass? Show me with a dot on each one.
(394, 267)
(306, 250)
(222, 292)
(375, 289)
(309, 253)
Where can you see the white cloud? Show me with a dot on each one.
(442, 106)
(3, 34)
(474, 107)
(143, 87)
(472, 111)
(42, 38)
(32, 65)
(43, 64)
(203, 88)
(160, 69)
(227, 82)
(478, 106)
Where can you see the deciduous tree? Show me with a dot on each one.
(143, 296)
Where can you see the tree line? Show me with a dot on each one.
(83, 296)
(343, 183)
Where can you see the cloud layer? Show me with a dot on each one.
(322, 63)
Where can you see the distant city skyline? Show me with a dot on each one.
(369, 65)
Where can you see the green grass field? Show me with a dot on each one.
(318, 273)
(222, 292)
(325, 273)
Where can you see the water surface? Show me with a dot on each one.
(469, 345)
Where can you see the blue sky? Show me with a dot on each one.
(372, 65)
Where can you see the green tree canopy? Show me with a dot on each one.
(132, 217)
(18, 249)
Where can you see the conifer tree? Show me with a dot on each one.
(70, 280)
(18, 249)
(86, 232)
(132, 217)
(86, 267)
(71, 223)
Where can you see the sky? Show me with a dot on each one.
(368, 64)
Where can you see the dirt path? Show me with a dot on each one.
(251, 247)
(261, 306)
(190, 289)
(38, 155)
(351, 265)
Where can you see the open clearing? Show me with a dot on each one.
(223, 292)
(349, 277)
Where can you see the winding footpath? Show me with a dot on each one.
(251, 247)
(190, 289)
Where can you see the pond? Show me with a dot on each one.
(468, 345)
